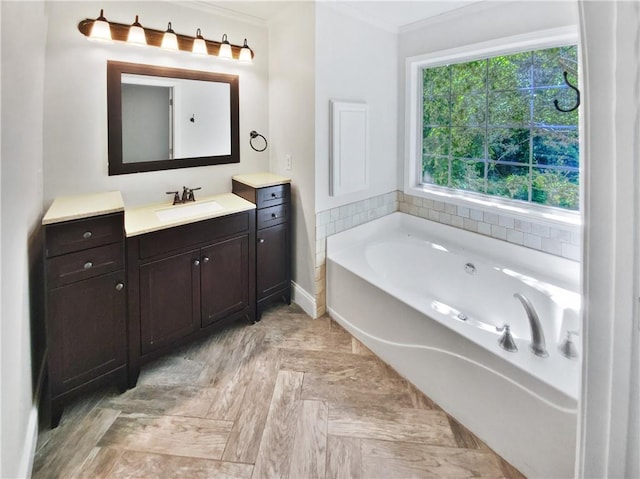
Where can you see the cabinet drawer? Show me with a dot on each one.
(85, 264)
(273, 216)
(82, 234)
(273, 195)
(193, 234)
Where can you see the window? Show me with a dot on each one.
(490, 127)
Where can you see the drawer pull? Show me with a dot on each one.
(87, 234)
(88, 265)
(196, 262)
(274, 195)
(274, 215)
(205, 259)
(119, 286)
(261, 240)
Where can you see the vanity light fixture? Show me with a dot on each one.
(100, 29)
(225, 48)
(169, 39)
(136, 34)
(199, 46)
(245, 53)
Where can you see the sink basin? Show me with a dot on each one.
(178, 212)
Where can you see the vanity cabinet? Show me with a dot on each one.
(85, 306)
(185, 281)
(273, 237)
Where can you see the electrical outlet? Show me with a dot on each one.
(287, 162)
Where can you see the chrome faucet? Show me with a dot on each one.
(538, 346)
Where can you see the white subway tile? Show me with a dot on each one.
(404, 207)
(463, 211)
(506, 221)
(438, 205)
(484, 228)
(477, 215)
(416, 200)
(331, 228)
(413, 210)
(434, 215)
(491, 218)
(514, 236)
(469, 224)
(321, 232)
(540, 230)
(335, 214)
(499, 232)
(340, 225)
(457, 221)
(444, 218)
(532, 241)
(343, 212)
(423, 212)
(523, 226)
(451, 209)
(427, 203)
(560, 234)
(324, 217)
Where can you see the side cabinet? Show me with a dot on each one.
(273, 241)
(85, 307)
(186, 281)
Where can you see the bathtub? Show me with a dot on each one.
(427, 298)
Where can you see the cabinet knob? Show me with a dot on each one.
(273, 195)
(273, 215)
(205, 259)
(88, 265)
(87, 234)
(261, 240)
(196, 262)
(119, 286)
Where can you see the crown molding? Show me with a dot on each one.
(451, 15)
(359, 14)
(207, 7)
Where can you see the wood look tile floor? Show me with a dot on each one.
(288, 397)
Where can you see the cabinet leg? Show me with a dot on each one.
(132, 377)
(56, 412)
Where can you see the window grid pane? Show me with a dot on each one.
(490, 127)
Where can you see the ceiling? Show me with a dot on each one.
(389, 14)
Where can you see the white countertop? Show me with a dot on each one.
(66, 208)
(261, 180)
(144, 219)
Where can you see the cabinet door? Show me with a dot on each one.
(225, 279)
(87, 330)
(169, 299)
(273, 259)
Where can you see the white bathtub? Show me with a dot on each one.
(400, 284)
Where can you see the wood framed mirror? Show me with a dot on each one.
(162, 118)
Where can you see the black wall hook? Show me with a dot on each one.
(254, 134)
(555, 102)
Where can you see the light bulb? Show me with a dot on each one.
(136, 34)
(225, 48)
(170, 40)
(100, 30)
(199, 46)
(245, 53)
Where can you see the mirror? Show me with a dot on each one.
(162, 118)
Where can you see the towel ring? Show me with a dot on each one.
(254, 134)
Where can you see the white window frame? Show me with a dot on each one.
(413, 185)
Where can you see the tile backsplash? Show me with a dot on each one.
(555, 240)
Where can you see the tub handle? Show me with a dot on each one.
(506, 341)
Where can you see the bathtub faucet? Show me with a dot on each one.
(538, 346)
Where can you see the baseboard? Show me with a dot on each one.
(303, 299)
(29, 447)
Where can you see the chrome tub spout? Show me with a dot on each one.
(538, 346)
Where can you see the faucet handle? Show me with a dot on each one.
(568, 348)
(187, 193)
(176, 196)
(506, 341)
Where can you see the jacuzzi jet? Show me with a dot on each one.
(470, 268)
(462, 316)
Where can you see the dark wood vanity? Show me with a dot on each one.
(116, 301)
(85, 306)
(273, 233)
(187, 280)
